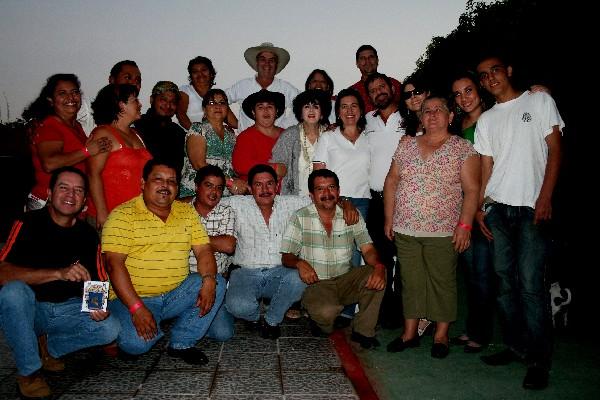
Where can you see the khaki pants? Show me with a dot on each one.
(324, 300)
(428, 273)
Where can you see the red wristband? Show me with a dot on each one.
(86, 152)
(380, 265)
(134, 307)
(466, 227)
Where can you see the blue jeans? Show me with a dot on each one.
(23, 319)
(247, 285)
(221, 329)
(480, 288)
(179, 303)
(519, 250)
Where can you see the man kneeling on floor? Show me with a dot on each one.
(319, 244)
(48, 256)
(147, 242)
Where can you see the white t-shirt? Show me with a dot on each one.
(350, 161)
(194, 110)
(244, 88)
(383, 140)
(513, 133)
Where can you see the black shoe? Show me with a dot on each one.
(341, 322)
(470, 349)
(536, 378)
(504, 357)
(459, 341)
(191, 355)
(269, 332)
(315, 330)
(123, 356)
(365, 342)
(252, 326)
(398, 344)
(439, 350)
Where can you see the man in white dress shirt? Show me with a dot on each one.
(267, 60)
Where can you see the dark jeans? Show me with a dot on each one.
(479, 272)
(519, 249)
(391, 306)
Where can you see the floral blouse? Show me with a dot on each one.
(428, 198)
(218, 152)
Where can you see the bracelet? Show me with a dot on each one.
(229, 182)
(466, 227)
(380, 265)
(86, 152)
(134, 307)
(212, 276)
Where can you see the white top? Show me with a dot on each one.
(244, 88)
(85, 117)
(194, 110)
(350, 161)
(383, 140)
(514, 134)
(258, 245)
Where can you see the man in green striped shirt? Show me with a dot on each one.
(318, 243)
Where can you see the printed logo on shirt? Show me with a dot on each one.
(526, 117)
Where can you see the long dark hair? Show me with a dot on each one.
(459, 114)
(410, 119)
(41, 107)
(362, 121)
(105, 107)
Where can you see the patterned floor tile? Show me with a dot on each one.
(94, 396)
(308, 361)
(148, 396)
(167, 362)
(209, 345)
(143, 362)
(255, 361)
(321, 397)
(323, 383)
(110, 381)
(247, 383)
(295, 331)
(308, 345)
(8, 387)
(177, 383)
(245, 344)
(5, 372)
(245, 397)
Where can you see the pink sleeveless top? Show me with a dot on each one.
(122, 173)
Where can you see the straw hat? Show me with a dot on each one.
(283, 57)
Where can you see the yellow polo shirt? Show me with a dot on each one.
(157, 251)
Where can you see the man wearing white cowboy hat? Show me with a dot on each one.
(267, 60)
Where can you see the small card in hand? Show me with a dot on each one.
(95, 296)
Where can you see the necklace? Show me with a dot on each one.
(307, 148)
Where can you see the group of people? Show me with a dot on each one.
(199, 224)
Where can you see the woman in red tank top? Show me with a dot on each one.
(116, 176)
(58, 139)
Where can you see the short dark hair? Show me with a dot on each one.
(362, 121)
(366, 47)
(210, 96)
(316, 97)
(153, 162)
(208, 170)
(205, 61)
(105, 107)
(321, 173)
(40, 108)
(377, 75)
(56, 173)
(116, 69)
(325, 75)
(259, 169)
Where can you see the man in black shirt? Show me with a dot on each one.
(48, 256)
(163, 138)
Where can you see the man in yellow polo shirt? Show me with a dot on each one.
(147, 242)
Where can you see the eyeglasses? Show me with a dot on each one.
(217, 103)
(410, 93)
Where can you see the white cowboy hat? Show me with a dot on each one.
(283, 57)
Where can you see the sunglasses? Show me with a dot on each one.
(410, 93)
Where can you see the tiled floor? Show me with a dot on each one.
(294, 367)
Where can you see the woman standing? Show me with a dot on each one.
(210, 142)
(115, 177)
(58, 139)
(413, 93)
(294, 150)
(431, 219)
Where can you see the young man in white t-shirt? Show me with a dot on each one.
(519, 143)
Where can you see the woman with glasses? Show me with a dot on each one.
(210, 142)
(413, 93)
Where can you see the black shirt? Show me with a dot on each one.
(36, 241)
